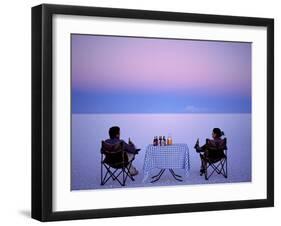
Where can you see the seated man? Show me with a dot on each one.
(130, 149)
(210, 150)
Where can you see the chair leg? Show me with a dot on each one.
(206, 170)
(123, 169)
(202, 167)
(219, 168)
(223, 169)
(111, 174)
(128, 171)
(101, 172)
(115, 175)
(226, 168)
(101, 176)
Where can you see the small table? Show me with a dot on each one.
(169, 157)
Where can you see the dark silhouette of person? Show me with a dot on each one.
(217, 141)
(129, 148)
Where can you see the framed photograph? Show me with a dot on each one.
(139, 112)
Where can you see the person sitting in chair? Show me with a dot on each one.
(129, 148)
(210, 144)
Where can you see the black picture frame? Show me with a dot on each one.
(42, 106)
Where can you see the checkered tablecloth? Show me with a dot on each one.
(174, 156)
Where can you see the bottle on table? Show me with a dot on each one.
(160, 140)
(156, 141)
(164, 141)
(169, 140)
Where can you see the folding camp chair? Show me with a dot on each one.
(215, 158)
(115, 161)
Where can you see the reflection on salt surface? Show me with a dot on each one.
(89, 129)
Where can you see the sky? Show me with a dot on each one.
(115, 74)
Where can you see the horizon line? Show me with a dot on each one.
(144, 113)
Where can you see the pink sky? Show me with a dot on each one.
(102, 62)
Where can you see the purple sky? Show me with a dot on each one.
(193, 71)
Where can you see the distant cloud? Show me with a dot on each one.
(193, 109)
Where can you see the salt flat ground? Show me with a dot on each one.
(89, 129)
